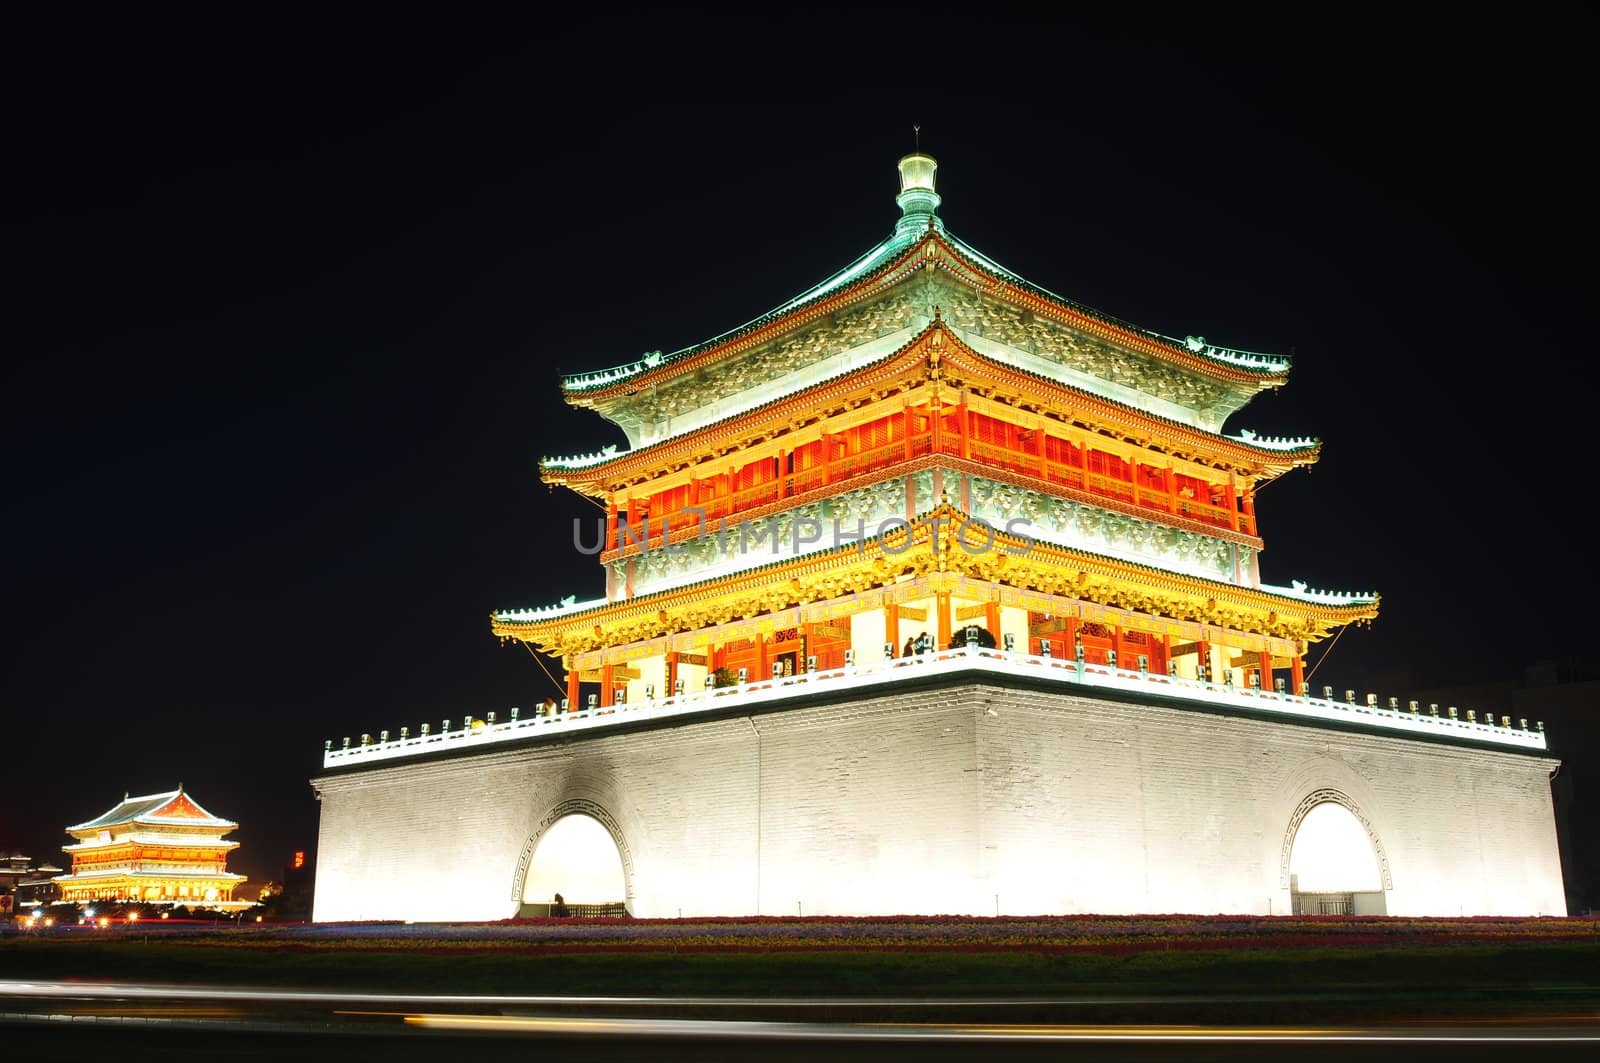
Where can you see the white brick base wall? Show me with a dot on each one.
(973, 798)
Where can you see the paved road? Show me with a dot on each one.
(74, 1020)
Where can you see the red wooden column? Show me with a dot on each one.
(625, 517)
(1116, 645)
(572, 687)
(1264, 666)
(827, 458)
(1297, 679)
(891, 626)
(1205, 660)
(942, 603)
(1248, 500)
(611, 525)
(908, 419)
(991, 620)
(1040, 451)
(607, 682)
(808, 645)
(1231, 496)
(785, 485)
(1072, 636)
(672, 674)
(935, 415)
(763, 669)
(964, 426)
(1170, 480)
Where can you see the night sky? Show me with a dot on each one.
(294, 301)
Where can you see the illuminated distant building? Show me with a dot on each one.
(27, 886)
(156, 849)
(933, 591)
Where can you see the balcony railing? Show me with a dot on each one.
(971, 660)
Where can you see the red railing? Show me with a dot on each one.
(839, 471)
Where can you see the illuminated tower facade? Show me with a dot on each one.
(931, 591)
(157, 849)
(926, 446)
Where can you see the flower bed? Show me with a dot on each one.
(1108, 935)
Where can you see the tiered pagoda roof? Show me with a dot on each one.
(881, 266)
(922, 308)
(931, 544)
(1246, 451)
(171, 809)
(891, 291)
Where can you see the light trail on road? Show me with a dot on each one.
(745, 1030)
(747, 1019)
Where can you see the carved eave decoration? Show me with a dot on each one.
(882, 561)
(987, 303)
(934, 363)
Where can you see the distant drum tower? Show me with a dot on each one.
(933, 591)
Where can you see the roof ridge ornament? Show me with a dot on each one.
(1199, 345)
(918, 202)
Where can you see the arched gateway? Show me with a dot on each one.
(584, 861)
(1333, 862)
(800, 516)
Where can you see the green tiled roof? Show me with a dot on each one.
(886, 254)
(144, 808)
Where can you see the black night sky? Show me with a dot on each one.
(294, 299)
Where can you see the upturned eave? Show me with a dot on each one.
(933, 250)
(933, 547)
(597, 478)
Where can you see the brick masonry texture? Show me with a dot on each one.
(973, 798)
